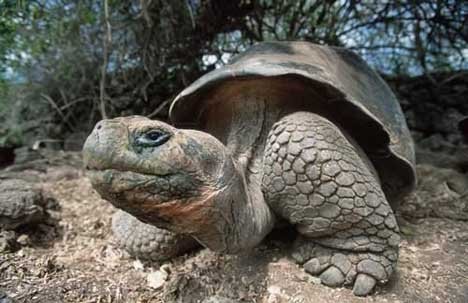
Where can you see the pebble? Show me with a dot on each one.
(274, 290)
(23, 240)
(137, 265)
(156, 279)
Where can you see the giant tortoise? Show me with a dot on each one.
(287, 131)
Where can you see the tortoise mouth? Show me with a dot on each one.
(158, 200)
(122, 180)
(118, 180)
(93, 171)
(126, 189)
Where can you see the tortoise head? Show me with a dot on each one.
(162, 175)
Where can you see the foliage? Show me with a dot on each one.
(65, 64)
(43, 56)
(396, 37)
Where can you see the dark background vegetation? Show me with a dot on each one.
(66, 64)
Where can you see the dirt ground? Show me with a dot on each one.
(73, 258)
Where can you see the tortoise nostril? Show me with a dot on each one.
(99, 126)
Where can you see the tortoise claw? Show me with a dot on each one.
(363, 285)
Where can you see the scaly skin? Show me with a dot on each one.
(147, 242)
(323, 184)
(189, 183)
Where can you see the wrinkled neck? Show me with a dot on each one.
(242, 125)
(239, 219)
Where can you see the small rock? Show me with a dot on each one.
(7, 241)
(23, 240)
(156, 279)
(274, 290)
(21, 203)
(166, 268)
(21, 253)
(313, 279)
(137, 265)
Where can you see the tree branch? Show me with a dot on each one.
(106, 43)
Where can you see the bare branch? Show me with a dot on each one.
(107, 40)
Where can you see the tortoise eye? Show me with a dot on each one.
(152, 138)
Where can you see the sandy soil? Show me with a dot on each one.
(73, 258)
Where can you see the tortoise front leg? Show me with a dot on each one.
(324, 184)
(147, 242)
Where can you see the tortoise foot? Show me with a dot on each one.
(337, 267)
(147, 242)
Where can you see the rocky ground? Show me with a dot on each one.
(72, 257)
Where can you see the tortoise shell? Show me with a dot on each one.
(353, 95)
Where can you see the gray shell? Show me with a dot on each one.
(357, 97)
